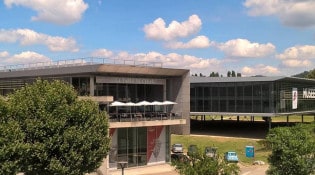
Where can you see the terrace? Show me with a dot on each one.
(142, 111)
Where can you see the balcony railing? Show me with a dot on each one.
(148, 116)
(78, 62)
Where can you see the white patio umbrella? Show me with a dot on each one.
(143, 103)
(117, 103)
(156, 103)
(130, 104)
(169, 103)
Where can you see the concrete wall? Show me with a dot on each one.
(179, 91)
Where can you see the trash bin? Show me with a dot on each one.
(249, 151)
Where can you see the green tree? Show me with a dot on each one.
(311, 74)
(11, 142)
(199, 163)
(61, 134)
(293, 150)
(238, 75)
(229, 74)
(213, 74)
(233, 74)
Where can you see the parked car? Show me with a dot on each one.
(192, 149)
(231, 156)
(177, 148)
(211, 151)
(179, 158)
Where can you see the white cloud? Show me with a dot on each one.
(298, 52)
(103, 53)
(25, 58)
(30, 37)
(62, 12)
(172, 60)
(296, 63)
(158, 30)
(298, 56)
(245, 49)
(4, 54)
(198, 42)
(260, 70)
(296, 13)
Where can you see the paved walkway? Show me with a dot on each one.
(161, 169)
(166, 169)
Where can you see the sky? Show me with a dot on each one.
(251, 37)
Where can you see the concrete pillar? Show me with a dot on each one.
(302, 118)
(287, 119)
(92, 86)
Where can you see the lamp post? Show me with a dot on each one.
(123, 165)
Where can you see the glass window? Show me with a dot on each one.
(132, 146)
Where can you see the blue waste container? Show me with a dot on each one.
(249, 151)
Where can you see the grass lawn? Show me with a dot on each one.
(223, 145)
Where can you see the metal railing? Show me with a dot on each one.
(133, 117)
(77, 62)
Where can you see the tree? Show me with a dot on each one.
(60, 133)
(229, 74)
(293, 150)
(238, 75)
(11, 142)
(199, 163)
(213, 74)
(311, 74)
(233, 73)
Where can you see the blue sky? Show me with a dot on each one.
(252, 37)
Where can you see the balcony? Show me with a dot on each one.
(145, 119)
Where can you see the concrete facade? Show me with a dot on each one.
(105, 83)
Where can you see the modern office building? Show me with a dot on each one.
(140, 134)
(252, 96)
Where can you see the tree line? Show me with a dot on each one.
(216, 74)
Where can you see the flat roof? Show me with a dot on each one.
(196, 79)
(83, 67)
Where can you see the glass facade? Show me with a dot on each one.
(250, 96)
(139, 145)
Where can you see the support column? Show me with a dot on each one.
(269, 122)
(302, 118)
(238, 118)
(92, 86)
(222, 118)
(287, 119)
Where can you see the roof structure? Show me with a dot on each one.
(195, 79)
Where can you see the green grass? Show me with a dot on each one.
(223, 145)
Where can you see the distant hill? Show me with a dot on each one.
(301, 75)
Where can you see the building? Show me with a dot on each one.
(252, 96)
(140, 134)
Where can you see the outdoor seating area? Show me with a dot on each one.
(141, 111)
